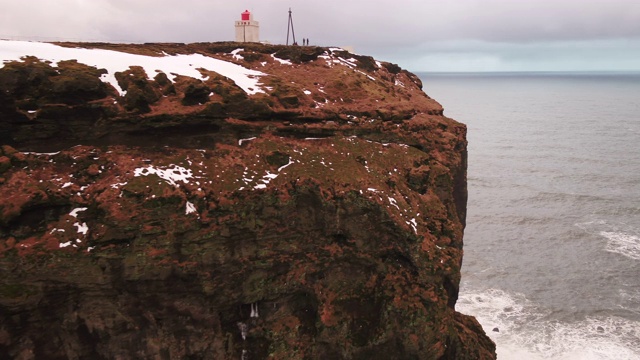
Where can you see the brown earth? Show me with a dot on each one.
(321, 220)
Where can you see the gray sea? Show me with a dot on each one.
(551, 265)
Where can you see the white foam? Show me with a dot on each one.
(527, 331)
(621, 238)
(623, 244)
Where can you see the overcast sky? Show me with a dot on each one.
(420, 35)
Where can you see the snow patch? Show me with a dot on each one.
(170, 175)
(75, 211)
(414, 225)
(190, 209)
(117, 185)
(115, 61)
(243, 140)
(393, 202)
(30, 152)
(235, 54)
(284, 166)
(281, 61)
(82, 228)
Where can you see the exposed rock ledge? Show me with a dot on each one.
(316, 214)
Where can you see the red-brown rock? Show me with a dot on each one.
(321, 220)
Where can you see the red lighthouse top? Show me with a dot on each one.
(246, 15)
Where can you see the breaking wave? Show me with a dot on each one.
(621, 238)
(523, 330)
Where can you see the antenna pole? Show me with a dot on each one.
(290, 26)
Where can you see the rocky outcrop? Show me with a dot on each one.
(186, 218)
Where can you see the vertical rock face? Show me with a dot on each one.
(192, 218)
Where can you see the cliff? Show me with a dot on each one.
(245, 201)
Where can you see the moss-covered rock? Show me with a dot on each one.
(321, 218)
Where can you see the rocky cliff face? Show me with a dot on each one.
(316, 213)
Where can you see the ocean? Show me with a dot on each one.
(551, 263)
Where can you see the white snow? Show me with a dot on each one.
(307, 92)
(414, 225)
(284, 166)
(254, 310)
(82, 228)
(66, 185)
(114, 61)
(170, 175)
(365, 74)
(350, 62)
(266, 180)
(64, 245)
(190, 208)
(281, 61)
(75, 211)
(393, 202)
(117, 185)
(247, 139)
(235, 54)
(28, 152)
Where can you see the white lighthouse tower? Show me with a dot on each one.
(247, 29)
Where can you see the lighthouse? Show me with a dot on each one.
(247, 29)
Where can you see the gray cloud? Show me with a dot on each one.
(487, 33)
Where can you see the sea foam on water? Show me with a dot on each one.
(526, 331)
(624, 244)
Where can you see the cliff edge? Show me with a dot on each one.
(227, 201)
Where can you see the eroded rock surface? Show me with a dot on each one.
(185, 218)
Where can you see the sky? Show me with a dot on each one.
(419, 35)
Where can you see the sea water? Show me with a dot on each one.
(551, 263)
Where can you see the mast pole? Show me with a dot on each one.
(290, 26)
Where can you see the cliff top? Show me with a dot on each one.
(173, 78)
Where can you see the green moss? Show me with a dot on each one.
(196, 93)
(151, 185)
(14, 291)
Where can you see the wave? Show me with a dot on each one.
(523, 330)
(621, 238)
(624, 244)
